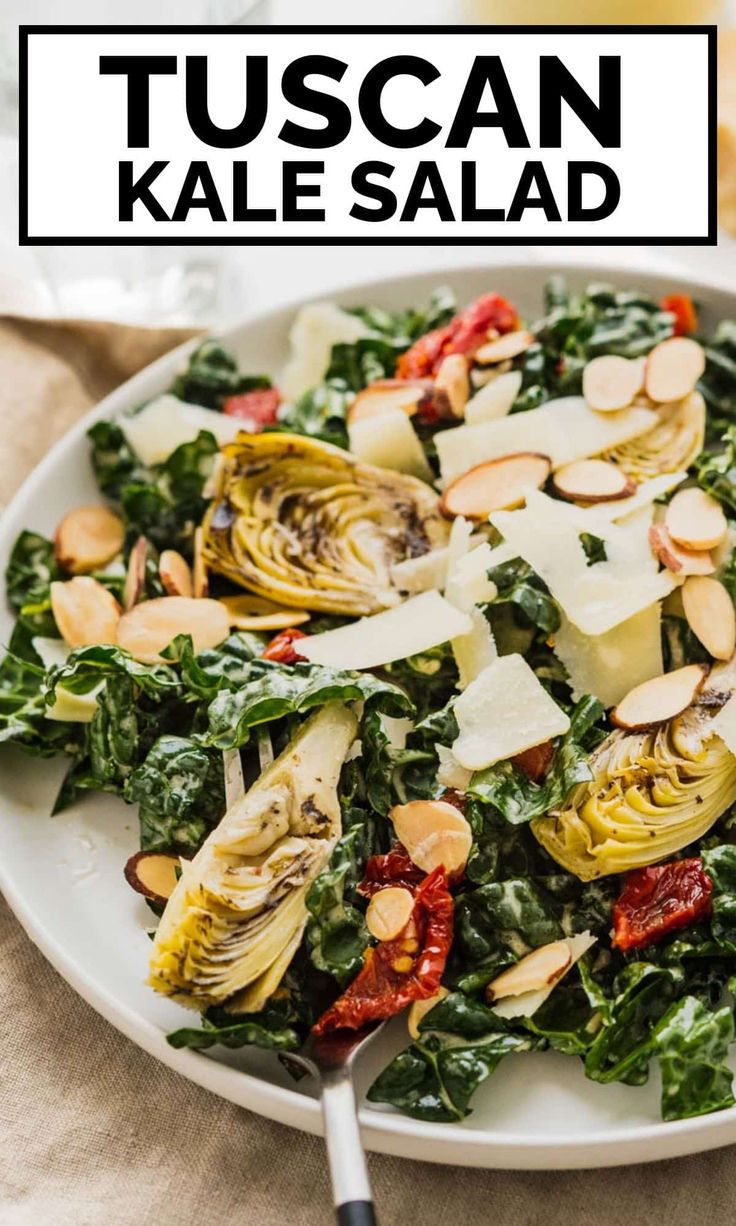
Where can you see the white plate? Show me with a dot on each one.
(63, 876)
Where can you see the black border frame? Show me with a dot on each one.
(709, 31)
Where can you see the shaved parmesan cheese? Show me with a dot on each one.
(53, 652)
(503, 712)
(473, 652)
(476, 650)
(646, 494)
(724, 724)
(316, 329)
(417, 625)
(527, 1004)
(495, 399)
(609, 665)
(546, 534)
(389, 440)
(421, 574)
(469, 580)
(564, 430)
(163, 425)
(69, 707)
(450, 773)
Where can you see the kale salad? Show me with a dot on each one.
(420, 668)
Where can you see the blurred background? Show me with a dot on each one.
(212, 286)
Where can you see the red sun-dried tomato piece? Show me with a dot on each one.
(465, 333)
(395, 868)
(535, 762)
(395, 973)
(281, 648)
(660, 899)
(683, 309)
(255, 409)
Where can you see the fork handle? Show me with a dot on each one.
(350, 1184)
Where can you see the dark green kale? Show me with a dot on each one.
(212, 375)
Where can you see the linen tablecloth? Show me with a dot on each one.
(94, 1132)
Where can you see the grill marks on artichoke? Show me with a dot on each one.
(304, 523)
(651, 794)
(238, 910)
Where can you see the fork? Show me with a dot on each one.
(330, 1059)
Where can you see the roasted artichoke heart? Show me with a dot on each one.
(670, 446)
(238, 912)
(651, 794)
(307, 525)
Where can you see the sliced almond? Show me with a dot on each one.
(135, 578)
(175, 574)
(421, 1008)
(448, 849)
(680, 561)
(610, 383)
(88, 537)
(85, 612)
(200, 579)
(673, 369)
(387, 394)
(592, 481)
(248, 612)
(695, 520)
(710, 615)
(153, 874)
(504, 347)
(148, 628)
(496, 485)
(389, 911)
(452, 379)
(539, 969)
(660, 699)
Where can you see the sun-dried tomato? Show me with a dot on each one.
(281, 648)
(658, 900)
(535, 762)
(397, 972)
(683, 309)
(255, 409)
(395, 868)
(464, 334)
(458, 800)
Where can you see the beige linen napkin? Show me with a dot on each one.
(94, 1132)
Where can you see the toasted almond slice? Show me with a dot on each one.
(695, 520)
(200, 579)
(673, 368)
(135, 579)
(88, 537)
(153, 874)
(148, 628)
(389, 911)
(249, 612)
(610, 383)
(420, 1009)
(680, 561)
(660, 699)
(85, 612)
(175, 574)
(448, 849)
(387, 394)
(710, 614)
(592, 481)
(536, 970)
(496, 485)
(452, 379)
(508, 346)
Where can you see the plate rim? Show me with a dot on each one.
(383, 1131)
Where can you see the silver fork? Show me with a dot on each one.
(330, 1059)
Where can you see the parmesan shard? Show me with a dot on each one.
(596, 597)
(417, 625)
(609, 665)
(450, 774)
(504, 711)
(421, 574)
(646, 494)
(389, 440)
(476, 650)
(565, 430)
(527, 1004)
(156, 430)
(317, 327)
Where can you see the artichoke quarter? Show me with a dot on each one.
(308, 526)
(238, 911)
(652, 793)
(670, 446)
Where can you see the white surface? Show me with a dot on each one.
(63, 877)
